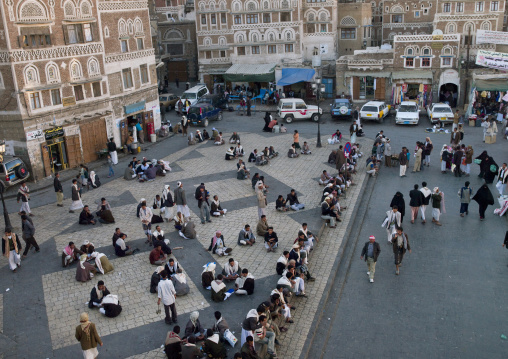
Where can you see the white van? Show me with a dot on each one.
(408, 113)
(194, 94)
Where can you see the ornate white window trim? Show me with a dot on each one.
(52, 73)
(31, 75)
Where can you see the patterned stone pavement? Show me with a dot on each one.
(193, 164)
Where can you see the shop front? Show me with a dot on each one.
(253, 76)
(367, 85)
(412, 85)
(54, 154)
(295, 82)
(136, 113)
(488, 96)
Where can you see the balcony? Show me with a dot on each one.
(215, 61)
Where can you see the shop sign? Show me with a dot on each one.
(437, 45)
(68, 101)
(491, 37)
(54, 132)
(437, 37)
(492, 59)
(404, 87)
(33, 135)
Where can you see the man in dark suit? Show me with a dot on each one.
(371, 251)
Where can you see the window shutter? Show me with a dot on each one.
(79, 33)
(95, 32)
(65, 34)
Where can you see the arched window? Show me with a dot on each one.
(222, 5)
(450, 29)
(237, 7)
(86, 9)
(240, 38)
(271, 37)
(32, 75)
(322, 16)
(266, 5)
(251, 6)
(485, 25)
(311, 16)
(201, 6)
(93, 67)
(138, 26)
(409, 51)
(52, 73)
(468, 26)
(173, 35)
(32, 11)
(222, 40)
(255, 38)
(69, 9)
(397, 9)
(122, 27)
(426, 52)
(348, 21)
(130, 26)
(207, 41)
(447, 51)
(212, 5)
(288, 35)
(75, 70)
(285, 4)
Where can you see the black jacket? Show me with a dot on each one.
(111, 146)
(57, 185)
(95, 298)
(398, 200)
(154, 282)
(377, 250)
(4, 241)
(293, 199)
(416, 198)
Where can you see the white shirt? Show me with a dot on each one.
(145, 214)
(157, 234)
(121, 243)
(166, 291)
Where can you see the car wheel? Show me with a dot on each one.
(219, 116)
(21, 172)
(289, 118)
(315, 117)
(206, 122)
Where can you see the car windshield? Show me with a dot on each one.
(369, 108)
(162, 98)
(12, 164)
(189, 96)
(407, 108)
(206, 100)
(195, 110)
(340, 104)
(441, 109)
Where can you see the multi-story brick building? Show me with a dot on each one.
(73, 73)
(235, 37)
(176, 22)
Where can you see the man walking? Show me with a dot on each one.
(166, 292)
(388, 153)
(58, 190)
(400, 243)
(437, 202)
(112, 151)
(11, 246)
(371, 251)
(24, 196)
(502, 179)
(28, 235)
(425, 201)
(403, 162)
(457, 160)
(392, 220)
(418, 158)
(416, 200)
(465, 197)
(204, 207)
(145, 215)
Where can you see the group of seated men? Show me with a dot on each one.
(146, 170)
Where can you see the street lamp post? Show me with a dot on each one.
(318, 89)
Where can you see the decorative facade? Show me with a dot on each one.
(72, 73)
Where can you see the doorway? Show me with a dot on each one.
(367, 88)
(57, 154)
(448, 93)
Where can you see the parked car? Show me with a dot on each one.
(194, 94)
(440, 112)
(295, 108)
(201, 113)
(12, 170)
(168, 100)
(215, 100)
(408, 113)
(342, 107)
(374, 111)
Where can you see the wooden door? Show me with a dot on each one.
(177, 69)
(356, 88)
(93, 139)
(45, 159)
(124, 131)
(73, 151)
(380, 92)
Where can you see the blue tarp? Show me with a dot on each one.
(135, 107)
(292, 76)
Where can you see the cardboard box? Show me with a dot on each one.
(472, 123)
(490, 139)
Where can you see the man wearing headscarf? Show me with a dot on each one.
(393, 219)
(180, 283)
(173, 344)
(484, 198)
(85, 270)
(218, 246)
(427, 150)
(87, 247)
(194, 328)
(218, 289)
(87, 335)
(220, 325)
(167, 203)
(101, 261)
(208, 274)
(97, 294)
(156, 278)
(70, 254)
(181, 200)
(166, 293)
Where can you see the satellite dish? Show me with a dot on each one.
(437, 32)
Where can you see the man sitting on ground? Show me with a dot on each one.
(70, 254)
(271, 240)
(218, 289)
(246, 237)
(213, 347)
(282, 263)
(231, 270)
(216, 209)
(244, 285)
(121, 249)
(306, 149)
(325, 178)
(86, 217)
(157, 256)
(294, 203)
(292, 152)
(309, 238)
(262, 227)
(97, 294)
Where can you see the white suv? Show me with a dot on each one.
(374, 110)
(408, 113)
(295, 108)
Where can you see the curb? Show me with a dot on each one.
(342, 259)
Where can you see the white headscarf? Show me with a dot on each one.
(92, 177)
(194, 317)
(165, 192)
(82, 260)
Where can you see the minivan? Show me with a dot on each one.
(194, 94)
